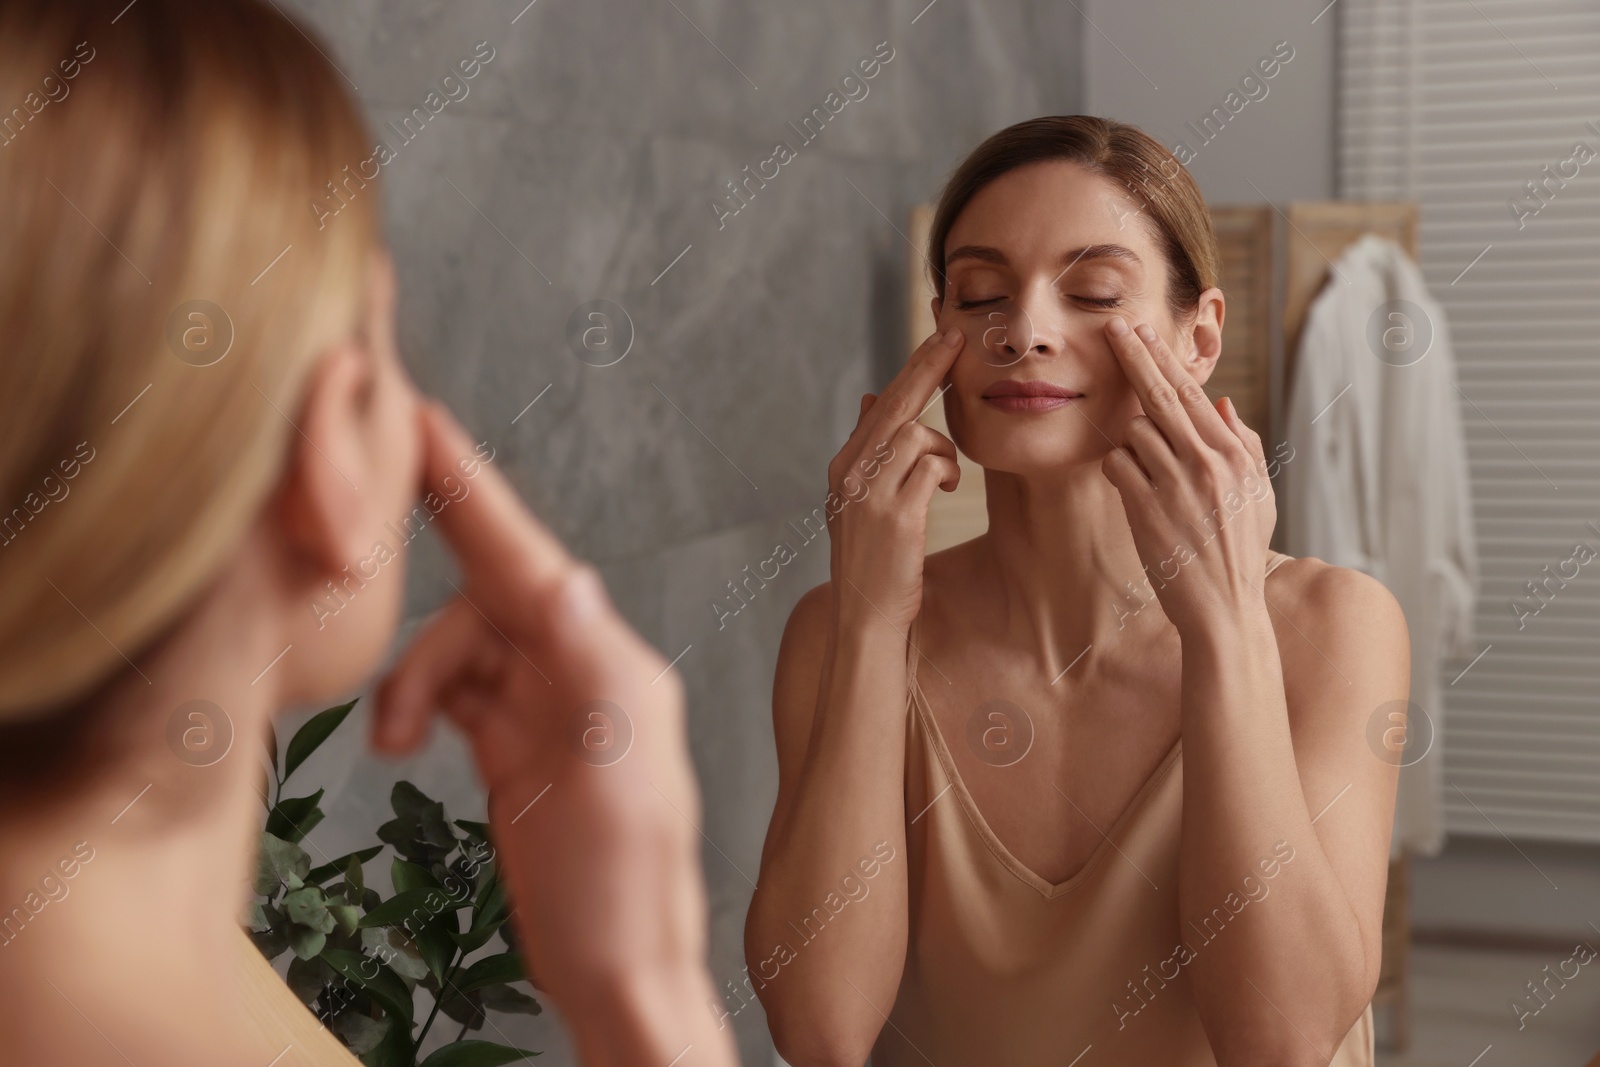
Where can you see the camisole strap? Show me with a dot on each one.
(912, 655)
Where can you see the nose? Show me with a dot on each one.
(1031, 326)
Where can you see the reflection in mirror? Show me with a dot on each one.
(1020, 533)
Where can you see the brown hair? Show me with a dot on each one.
(1168, 195)
(162, 166)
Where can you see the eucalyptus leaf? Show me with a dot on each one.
(307, 907)
(475, 1054)
(271, 943)
(391, 946)
(360, 1032)
(279, 860)
(310, 737)
(307, 977)
(306, 942)
(504, 998)
(419, 831)
(348, 916)
(256, 918)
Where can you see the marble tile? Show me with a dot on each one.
(728, 669)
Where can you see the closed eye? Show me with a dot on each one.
(1092, 301)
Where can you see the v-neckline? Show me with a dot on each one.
(1049, 890)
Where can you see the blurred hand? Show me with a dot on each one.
(577, 727)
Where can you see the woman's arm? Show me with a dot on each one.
(1270, 774)
(600, 852)
(1287, 811)
(825, 938)
(828, 980)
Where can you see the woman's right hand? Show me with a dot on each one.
(577, 726)
(880, 484)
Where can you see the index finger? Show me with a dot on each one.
(904, 398)
(1150, 366)
(492, 534)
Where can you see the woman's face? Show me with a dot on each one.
(1036, 265)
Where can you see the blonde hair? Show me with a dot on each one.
(154, 156)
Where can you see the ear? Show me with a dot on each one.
(320, 499)
(1205, 336)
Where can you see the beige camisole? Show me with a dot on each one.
(1003, 968)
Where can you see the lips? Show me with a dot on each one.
(1028, 396)
(1010, 388)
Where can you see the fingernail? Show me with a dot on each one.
(951, 336)
(1145, 332)
(1119, 326)
(583, 594)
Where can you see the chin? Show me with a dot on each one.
(1036, 444)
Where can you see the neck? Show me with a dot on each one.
(1060, 555)
(141, 938)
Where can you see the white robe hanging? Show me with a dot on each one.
(1378, 480)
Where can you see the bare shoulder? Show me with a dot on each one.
(1338, 630)
(1346, 658)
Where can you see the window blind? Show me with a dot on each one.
(1477, 109)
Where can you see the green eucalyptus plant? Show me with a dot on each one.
(359, 958)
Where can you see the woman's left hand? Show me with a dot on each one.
(1193, 481)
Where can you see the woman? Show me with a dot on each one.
(204, 424)
(1094, 786)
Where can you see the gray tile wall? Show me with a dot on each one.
(581, 163)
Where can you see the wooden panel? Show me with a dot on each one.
(1244, 244)
(1318, 234)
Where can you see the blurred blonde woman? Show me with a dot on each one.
(203, 420)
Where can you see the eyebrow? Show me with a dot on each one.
(987, 254)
